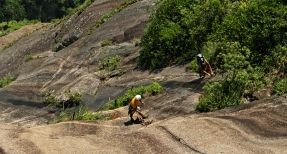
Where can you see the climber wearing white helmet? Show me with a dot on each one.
(134, 106)
(204, 67)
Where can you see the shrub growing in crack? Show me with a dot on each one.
(79, 113)
(106, 43)
(28, 57)
(71, 99)
(6, 81)
(110, 63)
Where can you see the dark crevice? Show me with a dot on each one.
(178, 139)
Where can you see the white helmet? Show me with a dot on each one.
(138, 97)
(199, 55)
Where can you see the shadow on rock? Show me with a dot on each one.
(130, 122)
(2, 151)
(194, 84)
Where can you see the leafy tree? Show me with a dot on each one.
(178, 30)
(243, 39)
(12, 10)
(43, 10)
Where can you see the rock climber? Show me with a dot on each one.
(204, 67)
(134, 107)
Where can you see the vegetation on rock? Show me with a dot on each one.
(70, 107)
(110, 63)
(280, 87)
(6, 81)
(80, 113)
(245, 41)
(10, 26)
(106, 43)
(151, 89)
(43, 10)
(71, 99)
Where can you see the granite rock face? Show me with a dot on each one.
(257, 127)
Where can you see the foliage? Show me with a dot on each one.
(277, 61)
(63, 116)
(177, 31)
(28, 57)
(253, 79)
(7, 27)
(11, 10)
(280, 86)
(43, 10)
(71, 108)
(110, 63)
(72, 99)
(258, 25)
(80, 6)
(229, 92)
(6, 81)
(79, 113)
(192, 66)
(181, 28)
(50, 99)
(136, 41)
(151, 89)
(230, 56)
(244, 39)
(83, 114)
(106, 43)
(221, 94)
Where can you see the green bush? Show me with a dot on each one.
(11, 10)
(276, 62)
(280, 86)
(253, 79)
(50, 99)
(247, 31)
(83, 114)
(192, 66)
(178, 31)
(63, 116)
(8, 27)
(73, 99)
(110, 63)
(229, 92)
(221, 94)
(245, 39)
(79, 113)
(44, 10)
(136, 41)
(81, 5)
(6, 81)
(230, 56)
(151, 89)
(106, 43)
(257, 25)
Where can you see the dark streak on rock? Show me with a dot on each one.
(2, 151)
(178, 139)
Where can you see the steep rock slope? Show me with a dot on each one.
(258, 127)
(74, 67)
